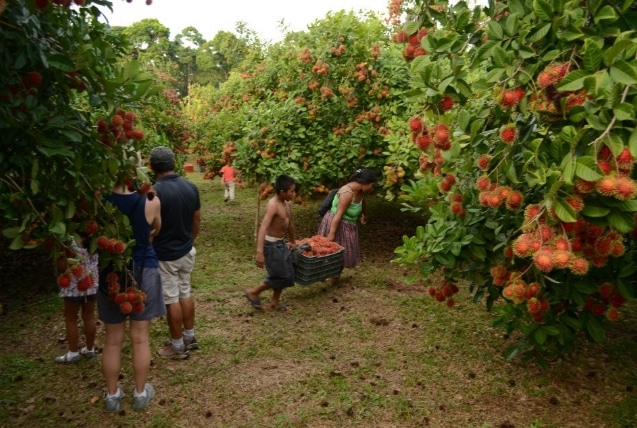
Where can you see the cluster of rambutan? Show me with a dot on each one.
(606, 301)
(111, 245)
(519, 291)
(444, 291)
(447, 182)
(456, 204)
(425, 138)
(414, 48)
(509, 98)
(550, 99)
(363, 72)
(616, 182)
(131, 299)
(493, 196)
(143, 188)
(76, 272)
(321, 68)
(574, 246)
(120, 129)
(305, 56)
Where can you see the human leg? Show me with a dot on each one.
(111, 357)
(231, 191)
(185, 300)
(140, 340)
(170, 284)
(71, 310)
(90, 326)
(275, 301)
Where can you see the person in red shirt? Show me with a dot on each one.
(228, 174)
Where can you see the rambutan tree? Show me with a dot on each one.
(68, 123)
(316, 107)
(521, 151)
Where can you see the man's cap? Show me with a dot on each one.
(162, 155)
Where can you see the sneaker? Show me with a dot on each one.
(65, 359)
(173, 353)
(88, 354)
(142, 402)
(113, 404)
(191, 344)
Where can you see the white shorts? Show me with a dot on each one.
(175, 277)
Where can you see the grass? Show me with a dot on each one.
(372, 351)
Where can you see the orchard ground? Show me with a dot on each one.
(372, 351)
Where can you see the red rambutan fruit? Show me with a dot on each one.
(607, 185)
(508, 134)
(543, 260)
(579, 266)
(625, 188)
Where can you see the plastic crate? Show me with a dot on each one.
(312, 269)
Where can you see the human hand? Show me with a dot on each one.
(260, 262)
(363, 219)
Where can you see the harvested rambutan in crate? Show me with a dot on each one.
(318, 259)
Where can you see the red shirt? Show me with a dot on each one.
(227, 173)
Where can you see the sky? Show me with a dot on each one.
(211, 16)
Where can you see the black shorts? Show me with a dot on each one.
(279, 264)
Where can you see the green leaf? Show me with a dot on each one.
(624, 73)
(539, 34)
(516, 6)
(58, 228)
(11, 232)
(595, 211)
(592, 55)
(586, 169)
(622, 222)
(511, 24)
(568, 168)
(49, 152)
(564, 211)
(606, 13)
(494, 30)
(632, 143)
(478, 252)
(543, 10)
(595, 330)
(624, 111)
(618, 48)
(628, 206)
(499, 56)
(540, 336)
(17, 243)
(573, 81)
(62, 63)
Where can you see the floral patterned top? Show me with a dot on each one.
(84, 275)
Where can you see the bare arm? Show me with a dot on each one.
(153, 216)
(196, 221)
(344, 199)
(291, 230)
(270, 212)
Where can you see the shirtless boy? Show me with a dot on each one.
(272, 250)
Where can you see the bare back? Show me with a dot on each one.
(278, 213)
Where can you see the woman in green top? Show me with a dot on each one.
(339, 224)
